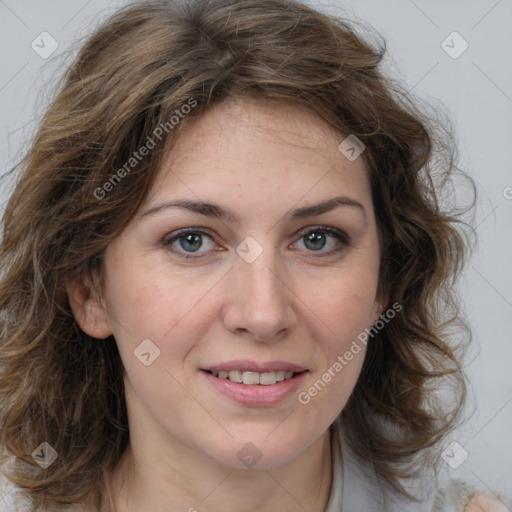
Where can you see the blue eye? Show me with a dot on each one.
(190, 241)
(316, 240)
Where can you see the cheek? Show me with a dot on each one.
(144, 302)
(170, 310)
(343, 305)
(344, 302)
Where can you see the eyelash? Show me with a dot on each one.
(342, 237)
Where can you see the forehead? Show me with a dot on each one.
(269, 122)
(274, 151)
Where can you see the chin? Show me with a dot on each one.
(259, 451)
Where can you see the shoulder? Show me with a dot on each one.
(458, 496)
(363, 490)
(12, 499)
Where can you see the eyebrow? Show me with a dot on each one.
(222, 213)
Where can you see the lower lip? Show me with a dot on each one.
(256, 395)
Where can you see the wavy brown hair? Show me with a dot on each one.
(59, 385)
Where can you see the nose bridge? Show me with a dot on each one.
(260, 303)
(260, 277)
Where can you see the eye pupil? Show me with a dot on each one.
(315, 238)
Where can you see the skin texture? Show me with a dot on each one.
(260, 160)
(483, 503)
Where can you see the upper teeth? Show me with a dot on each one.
(251, 378)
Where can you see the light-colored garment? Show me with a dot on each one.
(355, 488)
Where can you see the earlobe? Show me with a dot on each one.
(378, 308)
(88, 310)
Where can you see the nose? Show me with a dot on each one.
(259, 300)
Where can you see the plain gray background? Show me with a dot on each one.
(474, 88)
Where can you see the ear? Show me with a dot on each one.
(378, 308)
(376, 311)
(88, 309)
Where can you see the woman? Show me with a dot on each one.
(227, 278)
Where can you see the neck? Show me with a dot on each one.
(178, 478)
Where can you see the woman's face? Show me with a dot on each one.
(269, 286)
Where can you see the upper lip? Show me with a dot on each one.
(246, 365)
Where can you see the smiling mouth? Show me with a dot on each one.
(254, 378)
